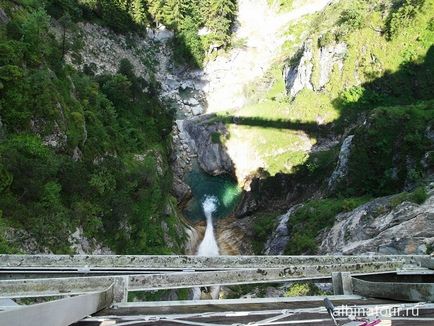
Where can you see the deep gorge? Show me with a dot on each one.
(307, 127)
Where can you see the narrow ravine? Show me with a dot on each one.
(220, 86)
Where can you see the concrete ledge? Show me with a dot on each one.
(187, 262)
(61, 312)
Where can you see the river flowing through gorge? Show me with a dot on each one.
(211, 165)
(220, 86)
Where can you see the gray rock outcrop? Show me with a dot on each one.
(211, 153)
(82, 245)
(278, 240)
(181, 161)
(298, 75)
(4, 19)
(329, 56)
(342, 166)
(376, 227)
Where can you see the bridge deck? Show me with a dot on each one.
(95, 283)
(276, 311)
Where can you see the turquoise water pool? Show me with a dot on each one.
(202, 185)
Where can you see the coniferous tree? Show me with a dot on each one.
(174, 12)
(138, 12)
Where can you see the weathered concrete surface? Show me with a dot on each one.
(61, 312)
(233, 277)
(75, 285)
(342, 283)
(116, 262)
(56, 286)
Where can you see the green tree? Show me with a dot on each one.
(139, 12)
(65, 21)
(35, 34)
(174, 12)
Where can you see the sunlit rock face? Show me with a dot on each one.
(375, 227)
(298, 75)
(330, 55)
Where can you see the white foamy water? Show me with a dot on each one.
(208, 246)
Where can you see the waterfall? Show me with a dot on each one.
(208, 246)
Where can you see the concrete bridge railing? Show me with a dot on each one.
(92, 283)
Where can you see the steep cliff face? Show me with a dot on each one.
(207, 140)
(299, 72)
(384, 227)
(326, 104)
(260, 30)
(279, 238)
(364, 109)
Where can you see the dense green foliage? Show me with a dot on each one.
(387, 152)
(406, 11)
(185, 17)
(79, 151)
(263, 225)
(307, 221)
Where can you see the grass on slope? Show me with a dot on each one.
(364, 26)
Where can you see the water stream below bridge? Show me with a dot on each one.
(208, 246)
(223, 188)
